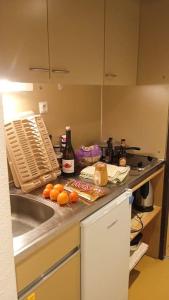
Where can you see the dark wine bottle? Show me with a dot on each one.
(109, 151)
(68, 161)
(122, 153)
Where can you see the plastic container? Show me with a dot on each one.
(100, 174)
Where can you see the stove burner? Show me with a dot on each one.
(139, 162)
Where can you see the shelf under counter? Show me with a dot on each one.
(146, 218)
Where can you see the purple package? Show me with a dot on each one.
(89, 154)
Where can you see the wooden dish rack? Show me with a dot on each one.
(30, 153)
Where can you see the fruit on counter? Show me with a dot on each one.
(73, 197)
(63, 198)
(59, 187)
(46, 193)
(49, 186)
(54, 194)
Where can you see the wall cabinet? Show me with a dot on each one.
(76, 40)
(24, 41)
(64, 40)
(121, 41)
(75, 33)
(154, 43)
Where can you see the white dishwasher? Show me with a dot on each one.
(105, 247)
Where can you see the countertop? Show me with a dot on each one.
(70, 214)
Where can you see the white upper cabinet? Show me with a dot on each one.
(69, 41)
(76, 41)
(153, 66)
(121, 41)
(24, 41)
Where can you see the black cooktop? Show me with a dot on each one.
(136, 161)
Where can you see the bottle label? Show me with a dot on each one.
(68, 165)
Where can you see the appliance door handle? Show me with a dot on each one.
(112, 224)
(38, 69)
(60, 71)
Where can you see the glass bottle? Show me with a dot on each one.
(109, 151)
(122, 153)
(68, 161)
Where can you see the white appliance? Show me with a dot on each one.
(105, 251)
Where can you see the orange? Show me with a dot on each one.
(59, 187)
(53, 194)
(49, 186)
(46, 193)
(73, 197)
(63, 198)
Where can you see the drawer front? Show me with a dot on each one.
(42, 259)
(63, 283)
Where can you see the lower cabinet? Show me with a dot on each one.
(52, 271)
(63, 282)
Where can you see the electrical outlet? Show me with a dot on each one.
(43, 107)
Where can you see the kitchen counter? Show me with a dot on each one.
(70, 214)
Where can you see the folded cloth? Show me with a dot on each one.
(115, 174)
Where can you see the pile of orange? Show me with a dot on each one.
(56, 193)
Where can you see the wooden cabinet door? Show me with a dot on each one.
(154, 43)
(24, 42)
(76, 40)
(121, 41)
(63, 283)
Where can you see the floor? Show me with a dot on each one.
(150, 280)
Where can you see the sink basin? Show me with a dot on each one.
(27, 214)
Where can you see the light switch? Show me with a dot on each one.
(43, 107)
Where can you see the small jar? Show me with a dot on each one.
(100, 174)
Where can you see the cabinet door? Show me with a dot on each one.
(154, 43)
(24, 42)
(76, 40)
(121, 41)
(63, 283)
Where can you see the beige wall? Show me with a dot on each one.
(77, 106)
(138, 114)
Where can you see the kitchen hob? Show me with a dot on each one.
(139, 162)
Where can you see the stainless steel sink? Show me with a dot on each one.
(36, 220)
(27, 214)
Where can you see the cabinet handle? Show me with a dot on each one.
(60, 71)
(39, 69)
(111, 75)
